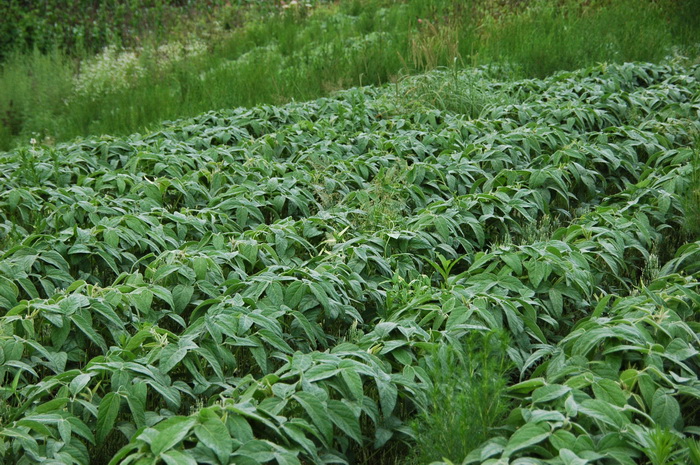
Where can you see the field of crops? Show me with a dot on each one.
(360, 279)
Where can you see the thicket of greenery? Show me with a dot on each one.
(158, 66)
(377, 277)
(81, 27)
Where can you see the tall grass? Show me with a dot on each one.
(547, 37)
(33, 92)
(274, 56)
(448, 90)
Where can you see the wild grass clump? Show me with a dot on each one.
(546, 37)
(445, 90)
(33, 95)
(465, 400)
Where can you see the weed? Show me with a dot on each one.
(547, 37)
(456, 92)
(660, 446)
(539, 231)
(465, 400)
(693, 446)
(384, 201)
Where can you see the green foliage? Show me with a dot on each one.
(661, 447)
(691, 201)
(307, 283)
(32, 94)
(87, 25)
(465, 399)
(258, 52)
(448, 91)
(546, 37)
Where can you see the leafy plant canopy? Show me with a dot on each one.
(344, 280)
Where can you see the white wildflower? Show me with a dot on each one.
(114, 70)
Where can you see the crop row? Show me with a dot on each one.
(264, 284)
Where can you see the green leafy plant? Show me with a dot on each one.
(691, 202)
(309, 283)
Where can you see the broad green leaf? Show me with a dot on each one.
(81, 429)
(36, 426)
(107, 414)
(294, 293)
(276, 293)
(570, 458)
(387, 396)
(604, 412)
(142, 299)
(286, 458)
(137, 339)
(514, 262)
(562, 439)
(320, 295)
(51, 405)
(200, 266)
(321, 371)
(170, 356)
(525, 387)
(526, 436)
(171, 432)
(175, 457)
(239, 428)
(353, 382)
(536, 271)
(609, 391)
(549, 393)
(275, 341)
(343, 417)
(136, 398)
(316, 410)
(86, 327)
(8, 293)
(214, 434)
(555, 298)
(297, 431)
(78, 383)
(665, 409)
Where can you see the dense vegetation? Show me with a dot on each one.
(451, 267)
(57, 81)
(86, 26)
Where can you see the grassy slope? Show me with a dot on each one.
(303, 53)
(299, 278)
